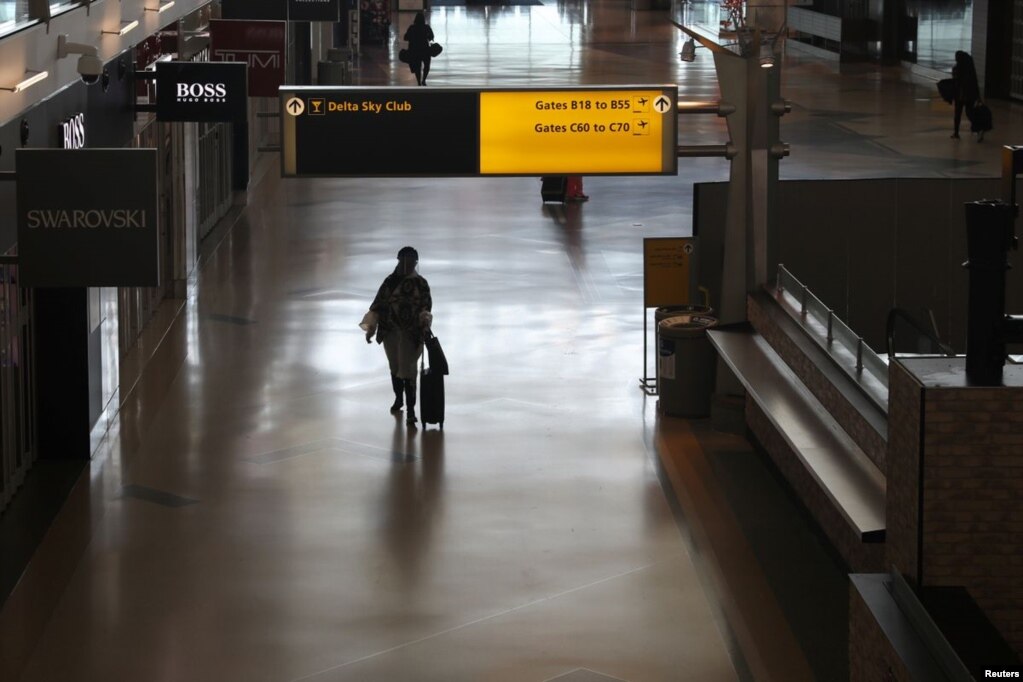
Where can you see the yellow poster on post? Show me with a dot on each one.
(667, 270)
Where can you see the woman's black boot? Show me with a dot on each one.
(397, 385)
(410, 401)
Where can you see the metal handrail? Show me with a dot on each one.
(898, 313)
(837, 330)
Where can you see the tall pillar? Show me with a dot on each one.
(750, 244)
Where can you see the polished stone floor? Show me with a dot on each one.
(258, 514)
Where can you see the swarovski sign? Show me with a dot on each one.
(79, 219)
(201, 91)
(87, 217)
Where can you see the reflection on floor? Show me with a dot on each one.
(258, 514)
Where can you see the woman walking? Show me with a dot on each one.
(400, 316)
(967, 90)
(419, 36)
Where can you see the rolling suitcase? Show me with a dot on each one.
(431, 397)
(431, 383)
(980, 118)
(553, 188)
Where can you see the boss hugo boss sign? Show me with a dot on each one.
(201, 91)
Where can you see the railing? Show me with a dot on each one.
(833, 330)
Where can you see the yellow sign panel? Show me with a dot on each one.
(583, 132)
(666, 271)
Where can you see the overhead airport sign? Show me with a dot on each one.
(294, 10)
(260, 45)
(350, 131)
(314, 10)
(201, 91)
(255, 9)
(87, 217)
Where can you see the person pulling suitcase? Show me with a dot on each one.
(400, 317)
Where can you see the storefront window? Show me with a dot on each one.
(936, 30)
(14, 13)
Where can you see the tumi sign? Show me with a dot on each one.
(87, 218)
(201, 91)
(258, 44)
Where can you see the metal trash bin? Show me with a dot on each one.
(332, 73)
(664, 312)
(686, 363)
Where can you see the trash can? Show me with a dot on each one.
(332, 73)
(666, 311)
(685, 365)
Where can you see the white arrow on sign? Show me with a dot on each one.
(295, 106)
(662, 104)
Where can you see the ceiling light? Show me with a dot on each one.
(30, 79)
(125, 27)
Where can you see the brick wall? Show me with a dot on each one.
(905, 397)
(869, 440)
(871, 656)
(973, 499)
(858, 555)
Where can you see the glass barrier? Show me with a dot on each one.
(830, 330)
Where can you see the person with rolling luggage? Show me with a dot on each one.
(965, 94)
(400, 317)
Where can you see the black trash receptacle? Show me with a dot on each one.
(686, 365)
(664, 312)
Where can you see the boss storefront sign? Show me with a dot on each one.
(72, 132)
(201, 91)
(87, 217)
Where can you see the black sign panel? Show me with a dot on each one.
(87, 217)
(255, 9)
(386, 132)
(201, 91)
(314, 10)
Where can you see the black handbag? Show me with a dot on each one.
(403, 55)
(947, 89)
(435, 49)
(438, 363)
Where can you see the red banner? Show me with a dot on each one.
(260, 44)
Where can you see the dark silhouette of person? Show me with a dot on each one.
(419, 36)
(402, 305)
(967, 90)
